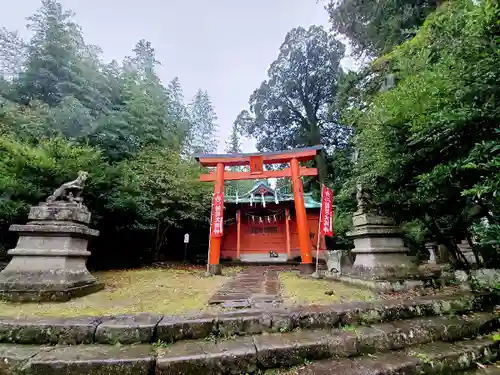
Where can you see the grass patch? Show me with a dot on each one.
(348, 328)
(297, 290)
(152, 290)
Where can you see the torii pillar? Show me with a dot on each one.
(214, 267)
(256, 162)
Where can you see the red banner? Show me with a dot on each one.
(218, 215)
(326, 220)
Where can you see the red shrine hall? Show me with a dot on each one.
(263, 223)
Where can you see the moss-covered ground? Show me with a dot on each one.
(179, 290)
(298, 290)
(152, 290)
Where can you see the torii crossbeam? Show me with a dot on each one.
(256, 161)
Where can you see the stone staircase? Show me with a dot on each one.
(425, 335)
(433, 358)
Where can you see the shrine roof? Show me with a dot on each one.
(261, 187)
(270, 196)
(275, 157)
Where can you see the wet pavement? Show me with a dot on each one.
(252, 287)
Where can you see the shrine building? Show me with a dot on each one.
(261, 226)
(272, 227)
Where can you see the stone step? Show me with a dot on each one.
(290, 265)
(434, 358)
(246, 354)
(253, 354)
(264, 257)
(76, 360)
(148, 328)
(484, 369)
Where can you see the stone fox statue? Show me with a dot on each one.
(70, 191)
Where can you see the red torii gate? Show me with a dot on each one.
(257, 162)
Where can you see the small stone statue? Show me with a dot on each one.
(359, 194)
(70, 191)
(363, 198)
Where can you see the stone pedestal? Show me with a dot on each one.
(443, 254)
(379, 248)
(306, 268)
(49, 261)
(382, 262)
(431, 248)
(215, 269)
(467, 252)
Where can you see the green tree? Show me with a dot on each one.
(375, 27)
(233, 144)
(203, 131)
(51, 55)
(29, 174)
(162, 190)
(144, 62)
(141, 116)
(290, 108)
(421, 141)
(61, 71)
(12, 53)
(484, 161)
(62, 110)
(178, 113)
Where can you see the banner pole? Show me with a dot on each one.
(331, 230)
(210, 234)
(319, 232)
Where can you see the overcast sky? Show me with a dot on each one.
(223, 46)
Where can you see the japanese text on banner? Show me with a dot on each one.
(326, 223)
(218, 215)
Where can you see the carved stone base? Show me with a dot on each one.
(49, 261)
(306, 268)
(215, 269)
(393, 273)
(379, 248)
(385, 286)
(43, 294)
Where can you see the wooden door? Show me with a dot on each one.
(263, 237)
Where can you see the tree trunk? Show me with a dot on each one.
(322, 167)
(157, 239)
(162, 241)
(315, 139)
